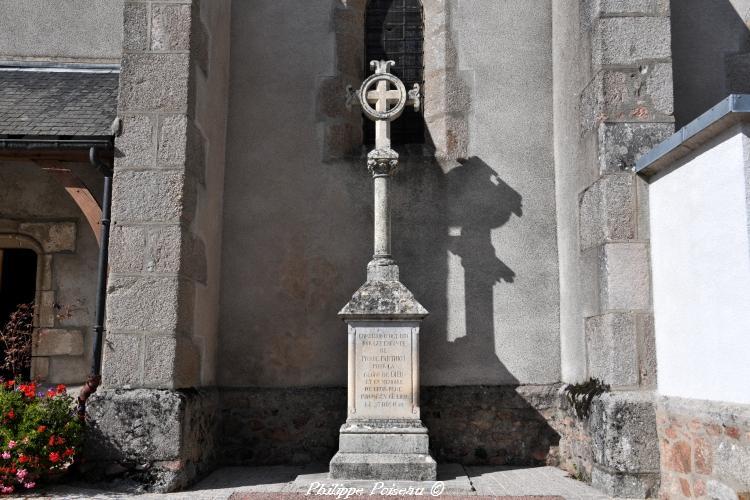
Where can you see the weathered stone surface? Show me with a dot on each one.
(704, 447)
(173, 140)
(622, 144)
(632, 7)
(58, 342)
(659, 87)
(624, 278)
(384, 443)
(640, 94)
(163, 249)
(154, 82)
(732, 463)
(623, 427)
(53, 236)
(477, 425)
(149, 248)
(390, 466)
(39, 368)
(607, 210)
(136, 143)
(46, 309)
(161, 438)
(68, 369)
(630, 40)
(170, 27)
(646, 350)
(623, 485)
(138, 303)
(611, 343)
(126, 248)
(382, 299)
(135, 26)
(160, 196)
(172, 362)
(122, 365)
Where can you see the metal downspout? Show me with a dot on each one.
(95, 378)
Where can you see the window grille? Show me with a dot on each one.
(394, 31)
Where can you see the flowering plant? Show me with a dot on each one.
(39, 434)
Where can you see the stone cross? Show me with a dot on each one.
(383, 161)
(383, 437)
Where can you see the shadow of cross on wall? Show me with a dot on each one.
(478, 201)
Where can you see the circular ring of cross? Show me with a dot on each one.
(390, 114)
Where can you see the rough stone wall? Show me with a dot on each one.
(160, 440)
(164, 261)
(37, 213)
(613, 102)
(705, 449)
(496, 425)
(164, 256)
(61, 30)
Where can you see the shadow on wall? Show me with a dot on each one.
(450, 263)
(444, 223)
(710, 54)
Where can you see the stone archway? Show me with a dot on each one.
(47, 239)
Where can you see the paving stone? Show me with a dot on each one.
(476, 483)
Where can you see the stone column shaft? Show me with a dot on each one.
(382, 223)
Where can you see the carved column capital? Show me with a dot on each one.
(382, 162)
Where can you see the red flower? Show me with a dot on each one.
(29, 390)
(60, 440)
(11, 414)
(52, 440)
(23, 459)
(50, 393)
(41, 428)
(68, 452)
(54, 457)
(10, 383)
(61, 389)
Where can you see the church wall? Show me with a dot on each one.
(711, 53)
(613, 103)
(29, 195)
(73, 30)
(473, 230)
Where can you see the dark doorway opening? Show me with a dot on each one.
(17, 285)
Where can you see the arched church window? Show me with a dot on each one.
(394, 31)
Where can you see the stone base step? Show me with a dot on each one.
(383, 466)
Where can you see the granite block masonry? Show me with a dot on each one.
(383, 437)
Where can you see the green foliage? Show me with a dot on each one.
(581, 395)
(40, 436)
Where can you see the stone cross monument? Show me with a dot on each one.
(383, 437)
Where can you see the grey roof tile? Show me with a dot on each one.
(57, 103)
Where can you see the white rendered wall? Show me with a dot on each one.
(701, 274)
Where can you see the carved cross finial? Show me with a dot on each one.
(381, 67)
(389, 102)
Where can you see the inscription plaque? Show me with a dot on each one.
(383, 368)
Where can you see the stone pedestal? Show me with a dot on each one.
(383, 437)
